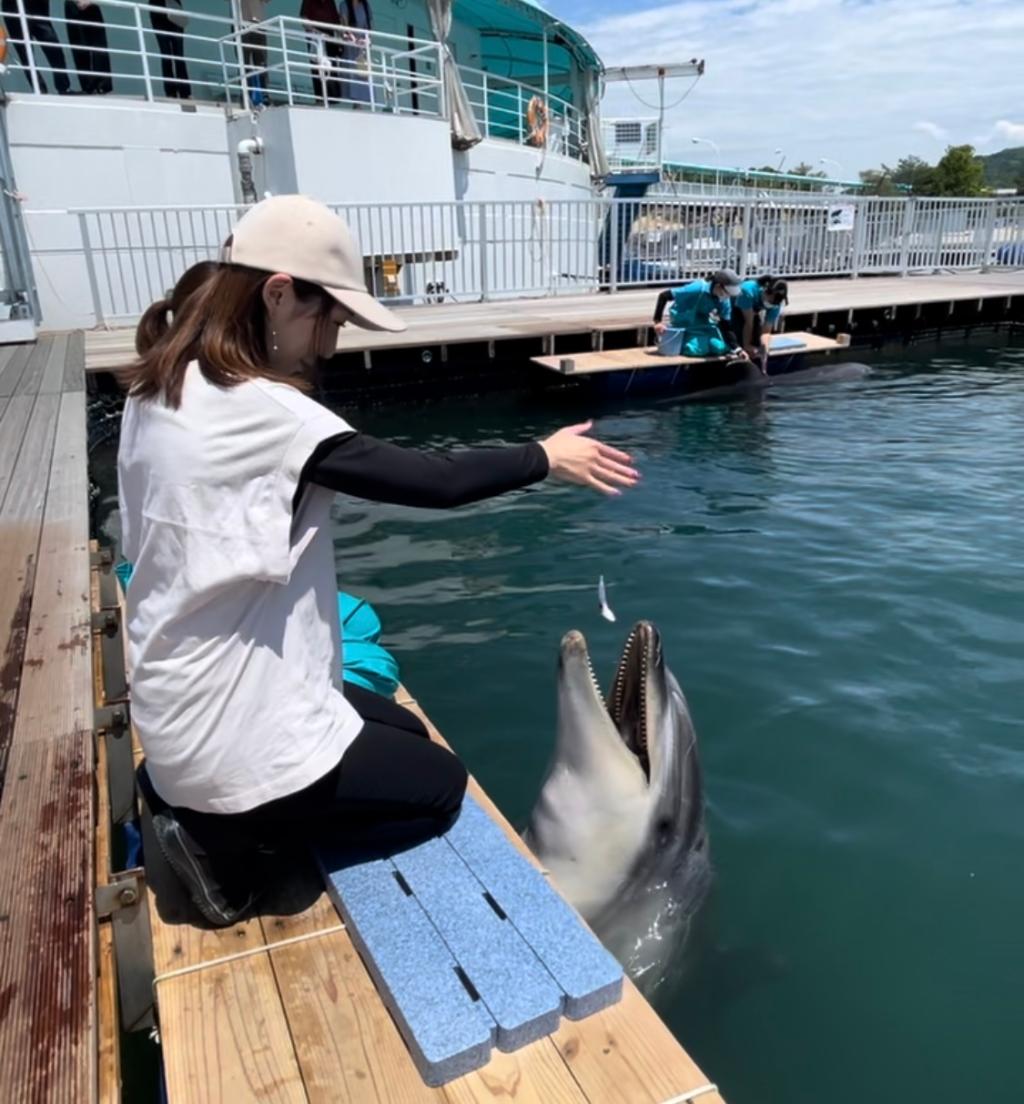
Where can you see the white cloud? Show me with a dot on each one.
(1010, 132)
(933, 130)
(850, 80)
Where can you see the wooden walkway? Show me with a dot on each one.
(48, 1045)
(447, 324)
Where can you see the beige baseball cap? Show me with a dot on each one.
(302, 238)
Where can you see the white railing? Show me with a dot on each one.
(138, 50)
(283, 60)
(501, 109)
(286, 60)
(461, 250)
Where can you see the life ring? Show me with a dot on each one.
(3, 45)
(537, 117)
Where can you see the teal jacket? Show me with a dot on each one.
(751, 298)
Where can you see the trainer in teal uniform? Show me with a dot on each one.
(756, 314)
(702, 310)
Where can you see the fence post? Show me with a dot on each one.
(487, 109)
(90, 266)
(990, 233)
(287, 67)
(613, 252)
(859, 220)
(33, 74)
(142, 54)
(484, 281)
(908, 229)
(744, 246)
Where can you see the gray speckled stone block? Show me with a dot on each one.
(589, 976)
(447, 1032)
(518, 991)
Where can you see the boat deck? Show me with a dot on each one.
(48, 956)
(445, 324)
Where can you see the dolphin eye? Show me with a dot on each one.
(663, 828)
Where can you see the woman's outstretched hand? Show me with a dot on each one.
(576, 458)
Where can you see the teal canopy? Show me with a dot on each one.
(512, 34)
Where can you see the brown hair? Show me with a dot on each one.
(222, 325)
(154, 324)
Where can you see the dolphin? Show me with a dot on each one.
(619, 821)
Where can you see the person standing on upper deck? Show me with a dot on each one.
(169, 26)
(756, 313)
(254, 50)
(87, 34)
(702, 312)
(40, 29)
(327, 52)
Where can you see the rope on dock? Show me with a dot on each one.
(692, 1094)
(263, 949)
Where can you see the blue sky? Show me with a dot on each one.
(858, 81)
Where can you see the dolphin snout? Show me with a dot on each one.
(574, 643)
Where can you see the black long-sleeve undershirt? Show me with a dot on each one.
(365, 467)
(659, 307)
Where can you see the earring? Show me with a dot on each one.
(273, 338)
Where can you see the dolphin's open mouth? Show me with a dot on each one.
(627, 703)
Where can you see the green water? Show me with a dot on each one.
(836, 572)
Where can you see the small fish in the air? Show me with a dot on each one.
(602, 597)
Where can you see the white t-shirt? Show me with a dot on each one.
(233, 631)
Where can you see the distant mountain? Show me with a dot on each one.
(1004, 169)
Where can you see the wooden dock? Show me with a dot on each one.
(639, 359)
(545, 321)
(48, 960)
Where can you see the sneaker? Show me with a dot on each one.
(219, 902)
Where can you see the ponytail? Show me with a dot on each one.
(153, 326)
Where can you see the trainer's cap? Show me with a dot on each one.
(302, 238)
(726, 278)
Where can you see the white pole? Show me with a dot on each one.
(718, 159)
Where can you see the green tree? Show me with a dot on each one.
(915, 172)
(959, 173)
(879, 181)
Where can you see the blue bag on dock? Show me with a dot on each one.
(366, 663)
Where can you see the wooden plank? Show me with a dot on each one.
(348, 1047)
(56, 687)
(33, 373)
(20, 523)
(52, 379)
(225, 1038)
(640, 358)
(47, 964)
(74, 364)
(15, 368)
(47, 971)
(13, 423)
(625, 1053)
(108, 1050)
(224, 1033)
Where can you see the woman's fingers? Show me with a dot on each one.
(609, 453)
(622, 472)
(604, 488)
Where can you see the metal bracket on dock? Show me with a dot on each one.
(123, 902)
(112, 724)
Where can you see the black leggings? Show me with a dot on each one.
(392, 788)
